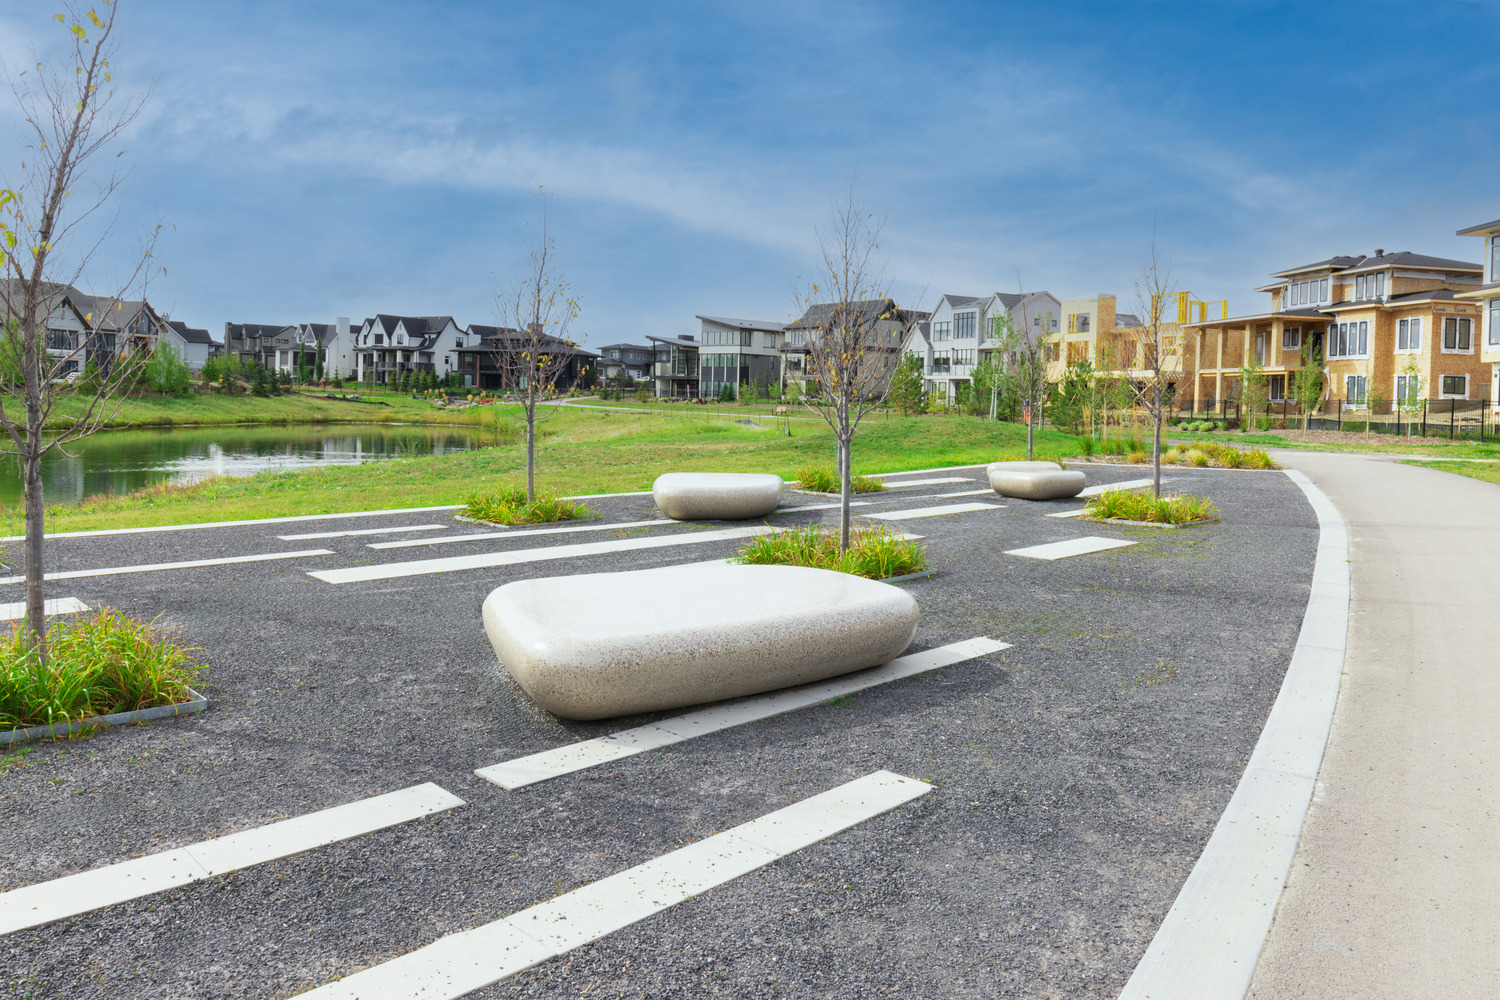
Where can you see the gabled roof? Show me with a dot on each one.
(501, 338)
(866, 310)
(254, 331)
(1127, 319)
(960, 301)
(744, 324)
(189, 334)
(627, 347)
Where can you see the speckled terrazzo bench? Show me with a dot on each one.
(716, 496)
(605, 644)
(1035, 480)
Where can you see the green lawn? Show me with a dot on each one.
(1487, 471)
(1388, 444)
(580, 451)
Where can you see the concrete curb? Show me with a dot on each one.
(1149, 524)
(195, 703)
(1209, 943)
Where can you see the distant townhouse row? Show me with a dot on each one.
(384, 348)
(84, 329)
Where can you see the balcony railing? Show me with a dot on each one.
(938, 369)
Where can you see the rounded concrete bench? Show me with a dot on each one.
(1035, 480)
(716, 496)
(605, 644)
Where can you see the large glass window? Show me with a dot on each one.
(1355, 387)
(1455, 386)
(1291, 338)
(964, 325)
(1323, 290)
(1495, 258)
(1409, 334)
(941, 331)
(1493, 338)
(1457, 334)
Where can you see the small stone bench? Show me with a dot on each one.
(1035, 480)
(600, 645)
(716, 496)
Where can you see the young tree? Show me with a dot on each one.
(1411, 396)
(1308, 383)
(1159, 365)
(907, 393)
(1023, 350)
(855, 350)
(1072, 403)
(540, 306)
(1374, 399)
(73, 119)
(1254, 392)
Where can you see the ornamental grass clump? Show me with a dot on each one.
(508, 505)
(875, 552)
(1211, 454)
(1126, 506)
(97, 664)
(822, 479)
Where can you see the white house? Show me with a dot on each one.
(387, 346)
(194, 346)
(961, 332)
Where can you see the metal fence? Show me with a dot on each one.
(1451, 418)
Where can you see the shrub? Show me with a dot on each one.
(1257, 458)
(822, 479)
(875, 552)
(166, 372)
(1157, 510)
(97, 664)
(508, 505)
(1137, 457)
(1085, 445)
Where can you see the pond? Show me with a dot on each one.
(123, 461)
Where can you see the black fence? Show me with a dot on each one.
(1477, 419)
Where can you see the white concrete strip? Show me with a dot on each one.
(929, 482)
(1071, 547)
(44, 902)
(1070, 513)
(1211, 939)
(562, 760)
(1128, 484)
(917, 472)
(389, 571)
(951, 508)
(57, 606)
(600, 496)
(234, 524)
(190, 564)
(821, 506)
(362, 531)
(470, 960)
(969, 493)
(522, 533)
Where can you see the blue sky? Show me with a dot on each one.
(316, 159)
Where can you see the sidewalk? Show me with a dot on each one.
(1395, 888)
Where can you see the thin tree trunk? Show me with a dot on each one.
(1156, 448)
(1030, 437)
(844, 484)
(531, 450)
(36, 610)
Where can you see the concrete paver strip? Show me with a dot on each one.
(187, 564)
(1393, 887)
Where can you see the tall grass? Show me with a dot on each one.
(97, 664)
(1209, 454)
(508, 505)
(1129, 506)
(822, 479)
(875, 552)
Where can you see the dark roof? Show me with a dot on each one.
(1009, 299)
(626, 347)
(959, 301)
(1402, 258)
(1127, 319)
(744, 324)
(253, 331)
(1482, 227)
(679, 341)
(498, 338)
(189, 334)
(1436, 293)
(420, 326)
(819, 313)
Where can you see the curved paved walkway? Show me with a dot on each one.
(1395, 888)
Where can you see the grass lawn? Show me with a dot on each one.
(579, 451)
(1387, 444)
(1487, 471)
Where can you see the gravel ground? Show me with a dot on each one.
(1077, 775)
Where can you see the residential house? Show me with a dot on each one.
(258, 343)
(891, 326)
(738, 353)
(388, 347)
(194, 346)
(1487, 297)
(1393, 321)
(491, 360)
(634, 360)
(676, 366)
(961, 332)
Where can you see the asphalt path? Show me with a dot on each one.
(1076, 775)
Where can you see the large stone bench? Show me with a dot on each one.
(605, 644)
(716, 496)
(1035, 480)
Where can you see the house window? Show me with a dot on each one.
(1291, 338)
(1323, 290)
(1494, 334)
(965, 357)
(1354, 389)
(941, 331)
(380, 338)
(1408, 389)
(964, 325)
(1495, 258)
(1083, 322)
(1260, 348)
(1276, 388)
(1455, 387)
(1457, 335)
(1409, 334)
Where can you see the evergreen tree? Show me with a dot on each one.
(907, 393)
